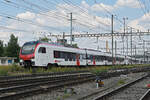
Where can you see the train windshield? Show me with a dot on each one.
(28, 48)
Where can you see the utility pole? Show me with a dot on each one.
(123, 34)
(131, 45)
(127, 43)
(124, 20)
(115, 50)
(144, 49)
(71, 28)
(112, 33)
(135, 52)
(63, 35)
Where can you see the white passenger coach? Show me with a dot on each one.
(36, 53)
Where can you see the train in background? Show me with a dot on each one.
(36, 53)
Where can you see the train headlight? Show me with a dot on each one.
(21, 60)
(32, 59)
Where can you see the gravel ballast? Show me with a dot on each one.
(79, 91)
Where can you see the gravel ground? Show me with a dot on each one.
(80, 90)
(134, 92)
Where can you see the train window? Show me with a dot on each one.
(78, 55)
(65, 56)
(102, 58)
(97, 58)
(73, 56)
(109, 59)
(68, 56)
(91, 57)
(56, 54)
(3, 61)
(42, 50)
(62, 55)
(88, 56)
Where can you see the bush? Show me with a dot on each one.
(121, 82)
(16, 68)
(3, 72)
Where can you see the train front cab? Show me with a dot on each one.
(27, 56)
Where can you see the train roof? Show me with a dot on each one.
(58, 44)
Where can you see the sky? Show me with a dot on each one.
(31, 19)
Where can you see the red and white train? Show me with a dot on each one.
(36, 53)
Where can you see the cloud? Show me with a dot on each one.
(141, 23)
(101, 7)
(119, 3)
(127, 3)
(145, 18)
(80, 16)
(84, 4)
(26, 15)
(0, 18)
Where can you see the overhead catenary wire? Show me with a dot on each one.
(141, 6)
(45, 8)
(40, 7)
(145, 5)
(115, 17)
(83, 11)
(17, 7)
(13, 29)
(26, 21)
(36, 11)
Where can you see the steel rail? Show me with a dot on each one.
(41, 89)
(40, 75)
(146, 96)
(107, 94)
(8, 83)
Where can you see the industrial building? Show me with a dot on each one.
(7, 60)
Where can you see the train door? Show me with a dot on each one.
(78, 59)
(42, 56)
(94, 63)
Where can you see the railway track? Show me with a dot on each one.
(28, 80)
(41, 75)
(39, 85)
(15, 87)
(131, 91)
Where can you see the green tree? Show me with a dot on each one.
(1, 49)
(75, 45)
(45, 39)
(12, 49)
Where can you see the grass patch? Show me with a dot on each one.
(3, 72)
(64, 97)
(121, 82)
(18, 70)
